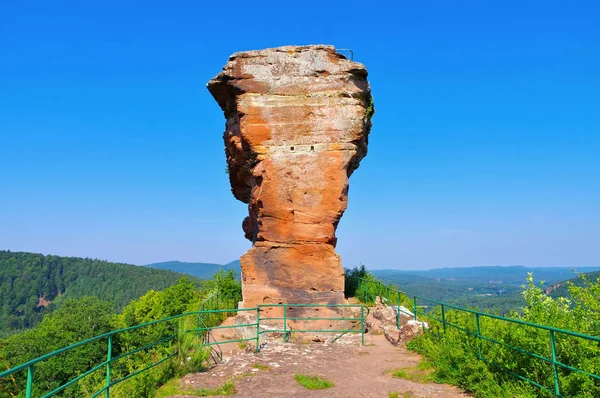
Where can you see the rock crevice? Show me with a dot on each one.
(297, 125)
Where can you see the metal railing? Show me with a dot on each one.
(346, 50)
(208, 319)
(355, 322)
(368, 289)
(171, 339)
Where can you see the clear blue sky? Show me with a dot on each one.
(485, 148)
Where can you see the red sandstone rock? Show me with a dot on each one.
(298, 119)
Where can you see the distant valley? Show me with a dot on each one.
(514, 274)
(32, 285)
(496, 289)
(491, 288)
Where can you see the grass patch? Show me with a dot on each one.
(408, 394)
(425, 365)
(173, 388)
(261, 367)
(422, 373)
(313, 382)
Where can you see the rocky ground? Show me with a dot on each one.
(356, 371)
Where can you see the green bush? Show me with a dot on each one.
(77, 320)
(487, 369)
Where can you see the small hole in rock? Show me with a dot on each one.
(312, 148)
(292, 148)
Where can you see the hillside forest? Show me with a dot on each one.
(452, 355)
(32, 285)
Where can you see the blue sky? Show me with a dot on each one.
(484, 148)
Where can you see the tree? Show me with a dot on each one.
(75, 321)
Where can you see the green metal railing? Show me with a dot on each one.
(206, 330)
(355, 321)
(368, 289)
(208, 319)
(214, 310)
(29, 367)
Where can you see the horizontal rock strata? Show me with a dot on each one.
(297, 124)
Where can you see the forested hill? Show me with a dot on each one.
(561, 289)
(33, 284)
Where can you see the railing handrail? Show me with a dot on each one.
(29, 363)
(502, 318)
(477, 334)
(312, 305)
(381, 287)
(285, 319)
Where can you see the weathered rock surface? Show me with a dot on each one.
(383, 320)
(297, 124)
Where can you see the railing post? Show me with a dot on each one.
(371, 293)
(478, 335)
(108, 359)
(398, 319)
(29, 388)
(415, 306)
(257, 329)
(553, 345)
(285, 323)
(362, 322)
(443, 318)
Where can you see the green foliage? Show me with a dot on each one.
(313, 382)
(367, 287)
(586, 293)
(420, 373)
(499, 298)
(177, 299)
(370, 108)
(562, 289)
(77, 320)
(483, 367)
(491, 289)
(74, 321)
(173, 388)
(351, 279)
(32, 285)
(224, 284)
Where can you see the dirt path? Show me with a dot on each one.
(356, 371)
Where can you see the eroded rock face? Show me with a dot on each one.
(298, 119)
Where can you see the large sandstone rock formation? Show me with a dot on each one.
(298, 119)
